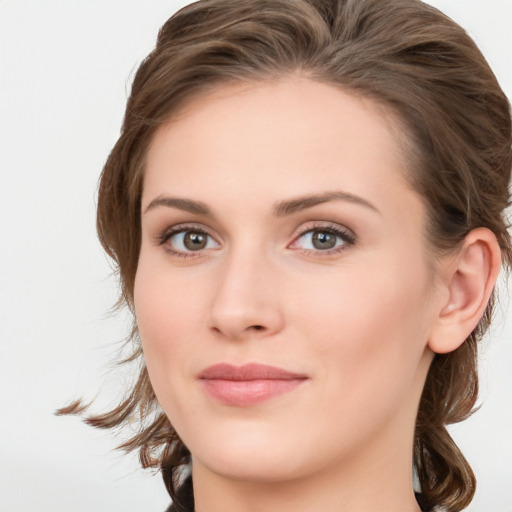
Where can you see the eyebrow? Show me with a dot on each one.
(280, 209)
(288, 207)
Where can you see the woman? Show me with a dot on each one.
(306, 205)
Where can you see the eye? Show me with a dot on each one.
(326, 239)
(184, 241)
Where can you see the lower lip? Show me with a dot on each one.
(248, 392)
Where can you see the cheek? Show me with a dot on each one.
(167, 316)
(368, 325)
(166, 304)
(167, 322)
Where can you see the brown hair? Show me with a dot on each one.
(401, 53)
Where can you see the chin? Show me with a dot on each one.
(252, 467)
(256, 458)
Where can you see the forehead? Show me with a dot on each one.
(243, 147)
(278, 105)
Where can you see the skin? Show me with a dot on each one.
(358, 320)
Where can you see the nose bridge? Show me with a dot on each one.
(246, 298)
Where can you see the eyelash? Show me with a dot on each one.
(346, 236)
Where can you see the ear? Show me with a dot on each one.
(468, 279)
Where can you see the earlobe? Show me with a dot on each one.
(470, 278)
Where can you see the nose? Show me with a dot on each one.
(246, 302)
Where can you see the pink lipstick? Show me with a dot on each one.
(249, 384)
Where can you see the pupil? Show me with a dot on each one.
(323, 240)
(194, 241)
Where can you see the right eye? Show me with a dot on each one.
(184, 242)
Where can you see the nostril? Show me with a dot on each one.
(258, 327)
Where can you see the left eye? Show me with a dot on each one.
(323, 239)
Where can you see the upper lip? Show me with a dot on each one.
(250, 371)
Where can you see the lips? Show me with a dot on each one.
(249, 384)
(247, 372)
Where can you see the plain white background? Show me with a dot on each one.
(65, 69)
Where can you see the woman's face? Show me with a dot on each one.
(278, 230)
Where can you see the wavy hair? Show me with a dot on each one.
(403, 54)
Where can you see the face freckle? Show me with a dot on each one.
(262, 286)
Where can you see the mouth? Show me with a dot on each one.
(247, 385)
